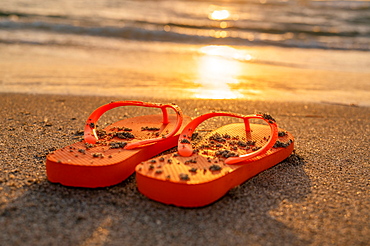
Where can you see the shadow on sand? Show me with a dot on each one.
(51, 214)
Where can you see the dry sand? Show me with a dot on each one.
(318, 196)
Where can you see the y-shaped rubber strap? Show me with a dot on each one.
(184, 144)
(90, 135)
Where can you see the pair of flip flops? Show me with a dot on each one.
(202, 170)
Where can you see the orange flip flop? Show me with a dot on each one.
(201, 173)
(107, 157)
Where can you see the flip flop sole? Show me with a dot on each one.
(106, 164)
(203, 178)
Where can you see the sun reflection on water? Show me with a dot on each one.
(218, 69)
(219, 14)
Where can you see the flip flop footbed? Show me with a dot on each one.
(107, 162)
(203, 178)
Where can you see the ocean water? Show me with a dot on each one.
(298, 23)
(230, 32)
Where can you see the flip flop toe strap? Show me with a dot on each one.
(185, 148)
(90, 135)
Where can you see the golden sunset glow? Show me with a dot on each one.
(216, 73)
(226, 52)
(219, 15)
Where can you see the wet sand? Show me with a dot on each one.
(318, 196)
(188, 71)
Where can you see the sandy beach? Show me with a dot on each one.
(304, 62)
(318, 196)
(136, 69)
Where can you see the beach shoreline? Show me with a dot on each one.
(318, 196)
(306, 63)
(137, 69)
